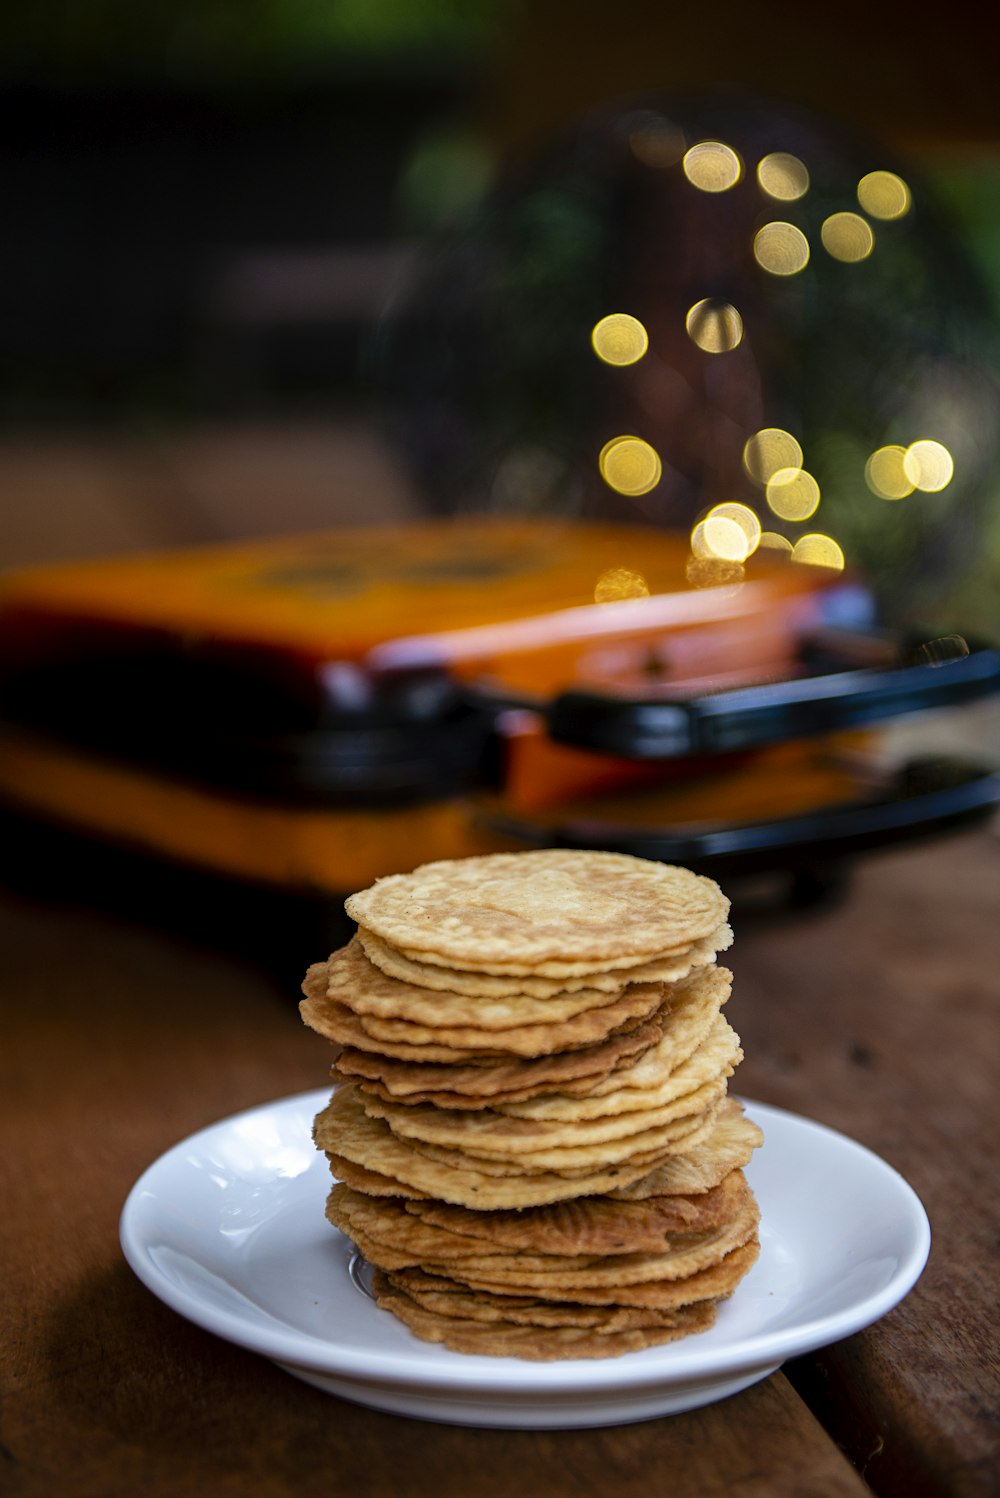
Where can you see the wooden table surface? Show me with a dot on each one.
(877, 1016)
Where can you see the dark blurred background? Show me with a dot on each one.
(207, 204)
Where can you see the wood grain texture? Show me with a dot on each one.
(877, 1017)
(881, 1019)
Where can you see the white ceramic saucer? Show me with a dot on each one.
(228, 1229)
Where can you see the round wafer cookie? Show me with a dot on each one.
(727, 1146)
(647, 1288)
(558, 1277)
(584, 1145)
(686, 1090)
(717, 1054)
(692, 1010)
(674, 1123)
(370, 1182)
(345, 1130)
(341, 1025)
(636, 1001)
(525, 1310)
(405, 1042)
(594, 1225)
(478, 1085)
(675, 1135)
(547, 913)
(714, 1283)
(537, 1340)
(482, 984)
(355, 981)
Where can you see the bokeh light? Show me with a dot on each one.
(712, 166)
(713, 572)
(619, 339)
(618, 583)
(884, 195)
(629, 465)
(681, 213)
(929, 465)
(783, 176)
(781, 249)
(793, 494)
(714, 326)
(817, 550)
(717, 536)
(847, 237)
(768, 450)
(729, 530)
(885, 474)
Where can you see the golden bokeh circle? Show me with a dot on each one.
(716, 327)
(712, 166)
(781, 249)
(783, 176)
(793, 494)
(886, 475)
(817, 550)
(774, 541)
(768, 450)
(847, 237)
(721, 538)
(700, 547)
(629, 465)
(713, 572)
(929, 465)
(884, 195)
(619, 339)
(742, 516)
(618, 583)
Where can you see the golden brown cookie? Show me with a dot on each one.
(539, 1343)
(727, 1146)
(405, 1042)
(478, 1085)
(402, 1245)
(594, 1225)
(592, 1141)
(714, 1283)
(481, 984)
(524, 1310)
(638, 1089)
(586, 1027)
(547, 913)
(365, 988)
(344, 1129)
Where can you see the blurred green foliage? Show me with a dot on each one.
(237, 37)
(969, 191)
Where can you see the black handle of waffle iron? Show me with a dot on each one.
(751, 717)
(925, 797)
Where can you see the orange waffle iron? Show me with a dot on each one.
(308, 714)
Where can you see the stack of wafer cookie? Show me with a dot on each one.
(530, 1133)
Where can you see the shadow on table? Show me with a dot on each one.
(146, 1401)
